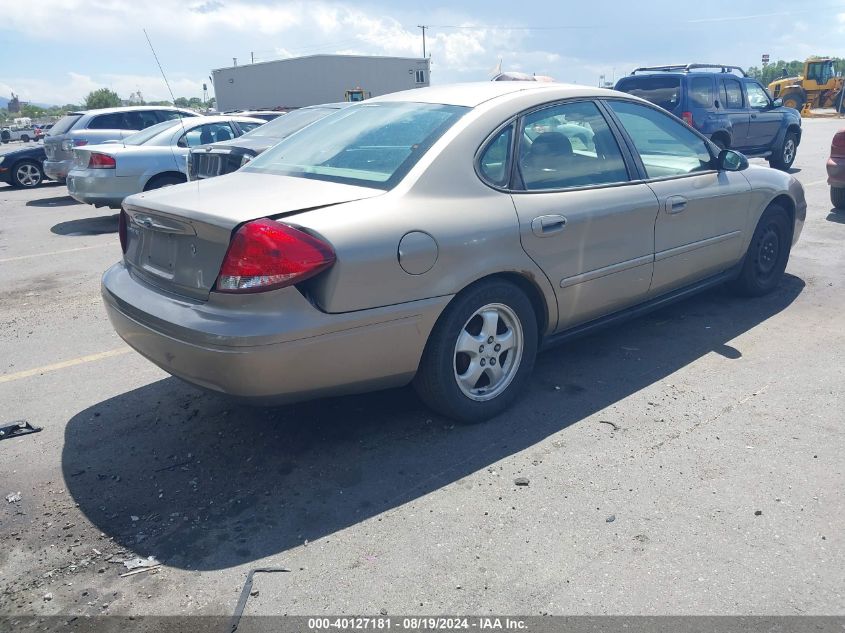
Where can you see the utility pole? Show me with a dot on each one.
(423, 27)
(234, 61)
(252, 57)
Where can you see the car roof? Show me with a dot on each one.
(474, 94)
(130, 109)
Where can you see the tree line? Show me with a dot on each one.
(102, 98)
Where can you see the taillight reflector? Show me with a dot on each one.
(101, 161)
(121, 229)
(265, 254)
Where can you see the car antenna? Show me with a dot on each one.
(166, 83)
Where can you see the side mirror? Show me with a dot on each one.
(777, 103)
(729, 160)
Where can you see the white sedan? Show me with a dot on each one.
(103, 175)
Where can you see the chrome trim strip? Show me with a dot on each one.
(679, 250)
(606, 270)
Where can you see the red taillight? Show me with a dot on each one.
(79, 142)
(837, 147)
(121, 229)
(687, 117)
(265, 254)
(101, 161)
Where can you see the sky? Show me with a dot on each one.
(57, 51)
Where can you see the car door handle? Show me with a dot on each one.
(753, 116)
(675, 204)
(547, 225)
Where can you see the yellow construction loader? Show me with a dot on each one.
(818, 87)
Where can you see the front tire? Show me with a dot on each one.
(785, 156)
(837, 197)
(27, 174)
(480, 353)
(767, 255)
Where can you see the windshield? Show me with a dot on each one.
(663, 91)
(139, 138)
(64, 124)
(285, 125)
(371, 145)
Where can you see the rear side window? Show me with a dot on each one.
(64, 124)
(208, 133)
(700, 92)
(733, 93)
(494, 164)
(140, 119)
(661, 90)
(568, 145)
(111, 121)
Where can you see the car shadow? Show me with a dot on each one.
(836, 216)
(202, 483)
(793, 170)
(88, 226)
(56, 201)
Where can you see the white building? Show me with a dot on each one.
(302, 81)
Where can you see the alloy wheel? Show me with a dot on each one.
(488, 352)
(28, 175)
(789, 151)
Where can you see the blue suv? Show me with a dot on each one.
(724, 104)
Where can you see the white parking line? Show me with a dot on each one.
(69, 250)
(64, 364)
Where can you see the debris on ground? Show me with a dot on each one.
(135, 563)
(521, 481)
(615, 426)
(610, 519)
(152, 568)
(48, 596)
(758, 513)
(14, 497)
(254, 593)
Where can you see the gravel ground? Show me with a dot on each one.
(688, 462)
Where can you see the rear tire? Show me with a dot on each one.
(164, 180)
(767, 255)
(785, 155)
(480, 353)
(27, 174)
(837, 197)
(24, 138)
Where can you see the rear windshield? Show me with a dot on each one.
(64, 124)
(370, 145)
(285, 125)
(663, 91)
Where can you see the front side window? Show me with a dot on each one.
(666, 147)
(494, 164)
(248, 126)
(700, 92)
(757, 97)
(169, 115)
(733, 94)
(371, 144)
(568, 145)
(205, 134)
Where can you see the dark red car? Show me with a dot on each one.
(836, 170)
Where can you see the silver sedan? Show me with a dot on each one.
(103, 175)
(441, 236)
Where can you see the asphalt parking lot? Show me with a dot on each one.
(688, 462)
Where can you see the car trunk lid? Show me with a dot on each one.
(177, 237)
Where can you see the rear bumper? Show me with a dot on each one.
(101, 187)
(57, 169)
(836, 172)
(279, 348)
